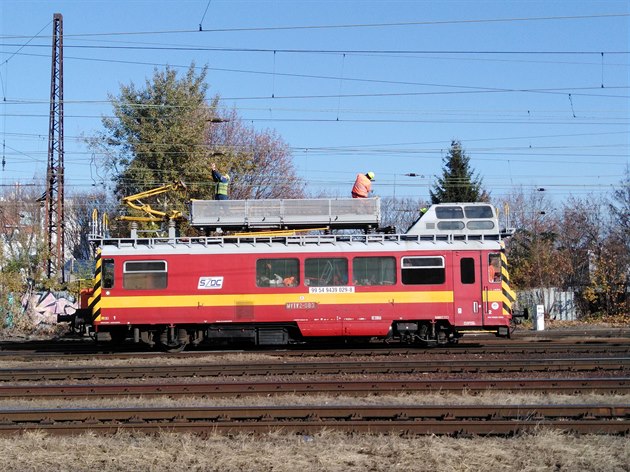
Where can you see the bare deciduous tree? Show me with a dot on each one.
(536, 264)
(260, 163)
(23, 250)
(400, 213)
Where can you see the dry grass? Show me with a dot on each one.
(328, 451)
(488, 398)
(156, 358)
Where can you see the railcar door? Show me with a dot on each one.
(492, 296)
(467, 294)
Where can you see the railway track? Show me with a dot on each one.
(599, 342)
(401, 420)
(318, 368)
(607, 360)
(352, 388)
(461, 350)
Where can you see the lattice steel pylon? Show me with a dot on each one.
(55, 226)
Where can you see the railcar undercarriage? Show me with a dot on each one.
(174, 338)
(425, 333)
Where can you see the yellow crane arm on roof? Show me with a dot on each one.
(133, 201)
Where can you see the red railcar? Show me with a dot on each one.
(444, 277)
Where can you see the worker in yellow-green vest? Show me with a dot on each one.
(222, 180)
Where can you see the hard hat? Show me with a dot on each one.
(370, 175)
(227, 176)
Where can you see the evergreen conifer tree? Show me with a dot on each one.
(458, 182)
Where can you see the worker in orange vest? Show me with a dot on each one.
(363, 185)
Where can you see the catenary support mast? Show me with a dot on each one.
(54, 179)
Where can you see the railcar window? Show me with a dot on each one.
(423, 270)
(450, 225)
(374, 271)
(277, 273)
(467, 270)
(480, 224)
(326, 272)
(479, 211)
(494, 268)
(107, 273)
(449, 213)
(145, 275)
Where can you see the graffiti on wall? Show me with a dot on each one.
(43, 307)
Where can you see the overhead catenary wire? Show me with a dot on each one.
(465, 89)
(433, 56)
(337, 51)
(204, 16)
(277, 94)
(581, 121)
(357, 25)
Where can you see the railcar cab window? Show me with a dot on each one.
(107, 272)
(480, 225)
(277, 273)
(326, 272)
(449, 213)
(144, 275)
(494, 268)
(450, 225)
(467, 270)
(374, 271)
(479, 211)
(423, 270)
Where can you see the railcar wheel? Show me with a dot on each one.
(174, 341)
(175, 348)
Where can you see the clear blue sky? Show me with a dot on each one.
(351, 86)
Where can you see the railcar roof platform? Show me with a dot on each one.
(334, 213)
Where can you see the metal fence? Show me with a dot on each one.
(558, 304)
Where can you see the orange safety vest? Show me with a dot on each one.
(493, 275)
(362, 186)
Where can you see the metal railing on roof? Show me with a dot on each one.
(301, 239)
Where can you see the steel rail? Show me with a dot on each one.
(440, 419)
(318, 368)
(575, 332)
(462, 350)
(543, 341)
(231, 389)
